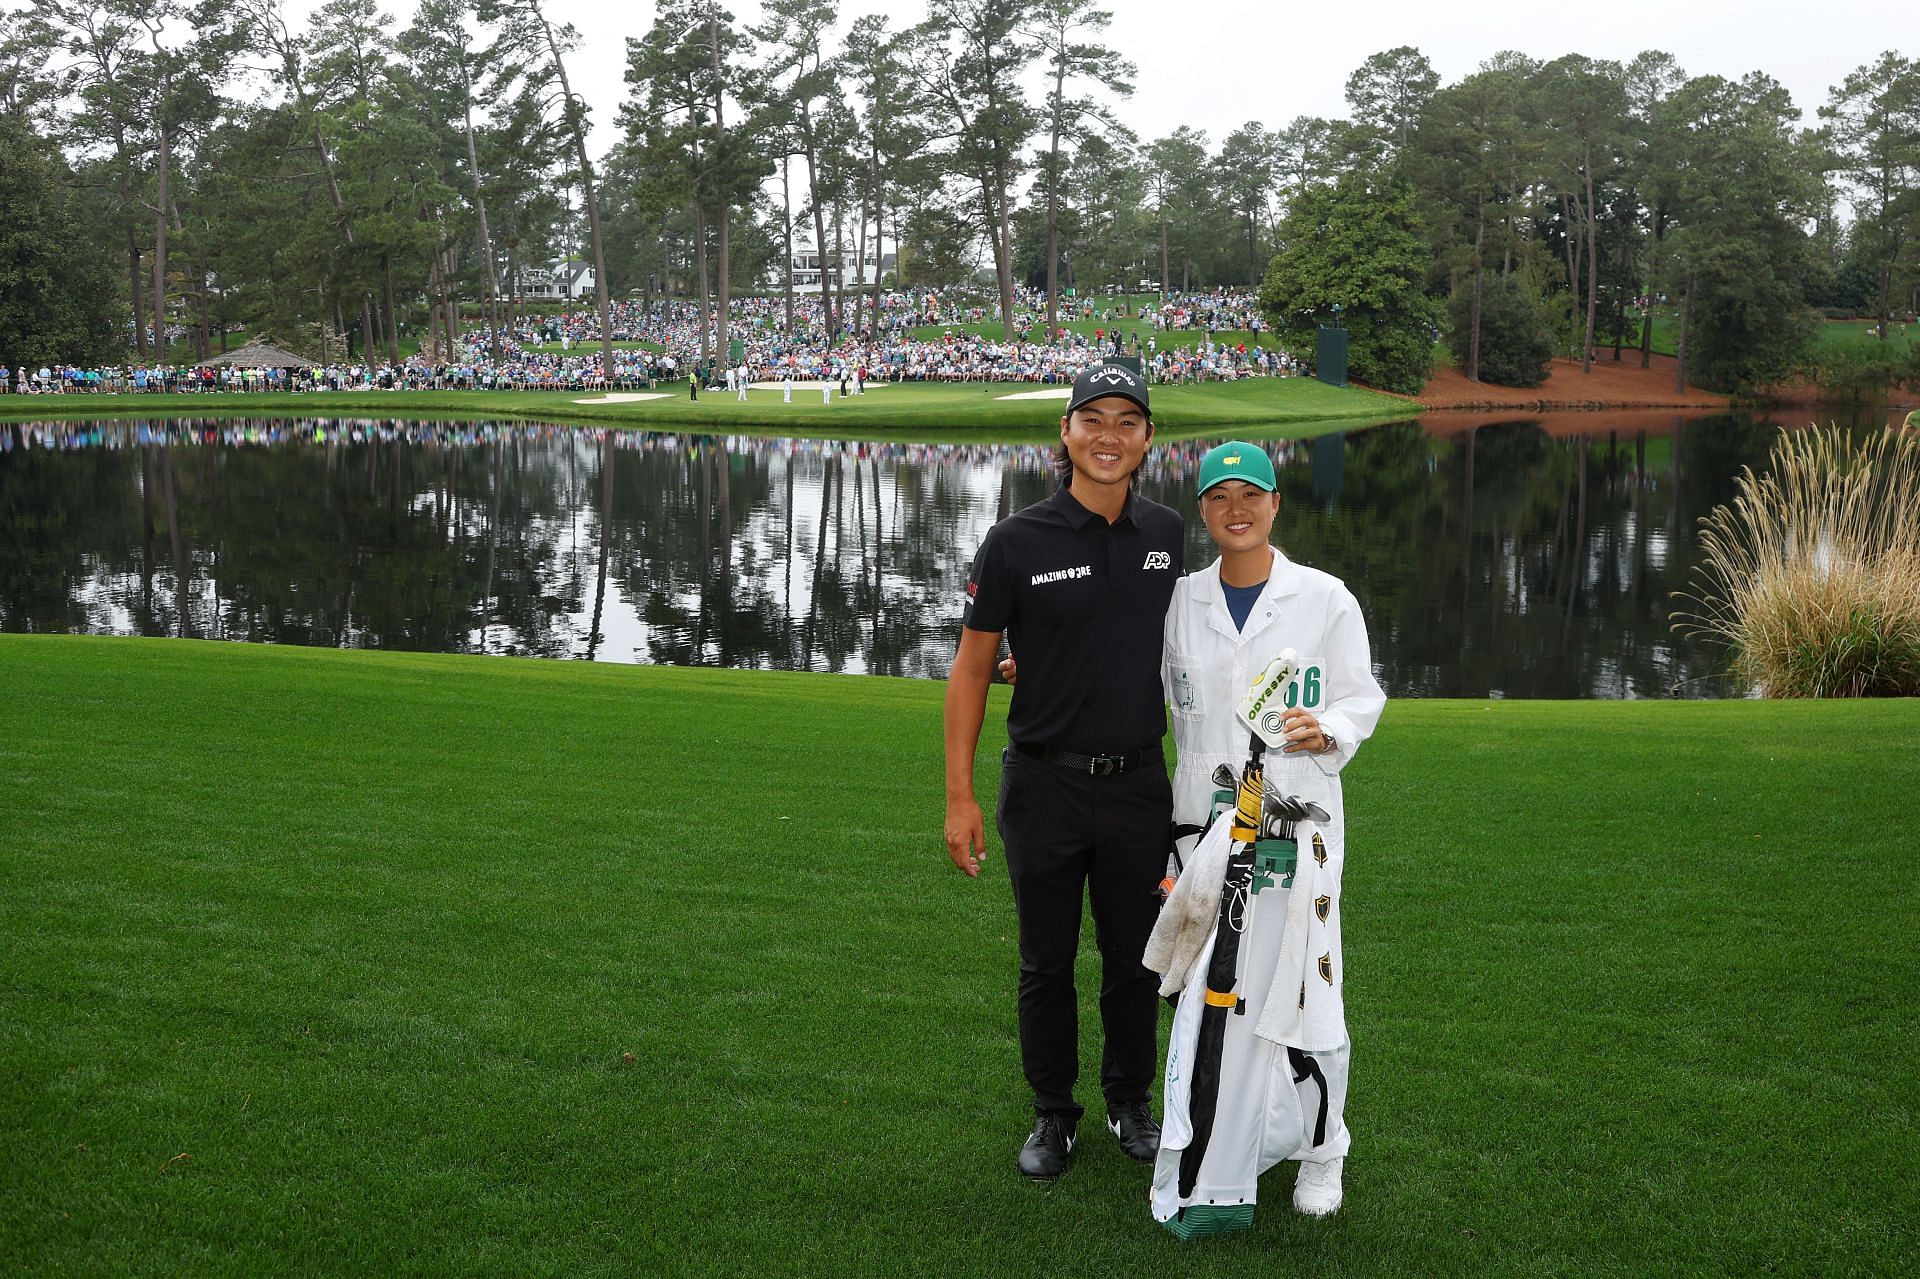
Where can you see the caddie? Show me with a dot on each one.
(1079, 583)
(1283, 1064)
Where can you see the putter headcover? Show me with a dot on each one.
(1263, 708)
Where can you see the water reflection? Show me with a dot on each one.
(1499, 559)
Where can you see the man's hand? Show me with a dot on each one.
(966, 836)
(1009, 669)
(965, 706)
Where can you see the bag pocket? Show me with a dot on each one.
(1280, 1128)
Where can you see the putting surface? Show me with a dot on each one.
(324, 962)
(971, 412)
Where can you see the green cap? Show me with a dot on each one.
(1237, 461)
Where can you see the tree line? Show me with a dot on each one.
(188, 168)
(1542, 206)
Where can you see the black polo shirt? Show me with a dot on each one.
(1084, 606)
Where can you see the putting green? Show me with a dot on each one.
(970, 411)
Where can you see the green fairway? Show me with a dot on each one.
(588, 348)
(326, 962)
(1168, 340)
(910, 411)
(184, 351)
(1832, 333)
(1130, 326)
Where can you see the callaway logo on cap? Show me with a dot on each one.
(1103, 380)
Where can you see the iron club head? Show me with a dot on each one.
(1292, 808)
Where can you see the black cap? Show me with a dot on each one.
(1101, 380)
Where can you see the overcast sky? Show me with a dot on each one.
(1217, 65)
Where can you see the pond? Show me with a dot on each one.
(1500, 559)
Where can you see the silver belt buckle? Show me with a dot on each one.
(1105, 765)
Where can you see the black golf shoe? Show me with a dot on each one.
(1133, 1124)
(1048, 1148)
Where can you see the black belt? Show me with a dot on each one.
(1097, 765)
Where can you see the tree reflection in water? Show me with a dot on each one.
(1495, 560)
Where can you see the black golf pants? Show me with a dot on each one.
(1069, 835)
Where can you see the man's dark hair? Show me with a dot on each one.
(1062, 466)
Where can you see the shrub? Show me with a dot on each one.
(1737, 344)
(1858, 371)
(1516, 347)
(1812, 572)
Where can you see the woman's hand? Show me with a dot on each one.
(1304, 734)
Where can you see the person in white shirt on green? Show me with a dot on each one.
(1284, 1061)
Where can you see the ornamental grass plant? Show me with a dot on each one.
(1811, 574)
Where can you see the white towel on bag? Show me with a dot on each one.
(1188, 916)
(1314, 1020)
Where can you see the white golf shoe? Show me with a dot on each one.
(1316, 1191)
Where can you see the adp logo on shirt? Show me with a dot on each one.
(1157, 559)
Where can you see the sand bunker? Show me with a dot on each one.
(1051, 393)
(626, 397)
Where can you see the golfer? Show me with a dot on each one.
(1080, 584)
(1283, 1065)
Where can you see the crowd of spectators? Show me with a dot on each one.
(911, 335)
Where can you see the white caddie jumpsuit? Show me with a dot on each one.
(1272, 1104)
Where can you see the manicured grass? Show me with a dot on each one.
(1168, 339)
(1129, 326)
(911, 411)
(588, 348)
(324, 962)
(185, 351)
(1666, 333)
(1862, 332)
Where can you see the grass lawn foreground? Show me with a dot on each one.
(324, 962)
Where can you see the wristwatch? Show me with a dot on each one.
(1331, 745)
